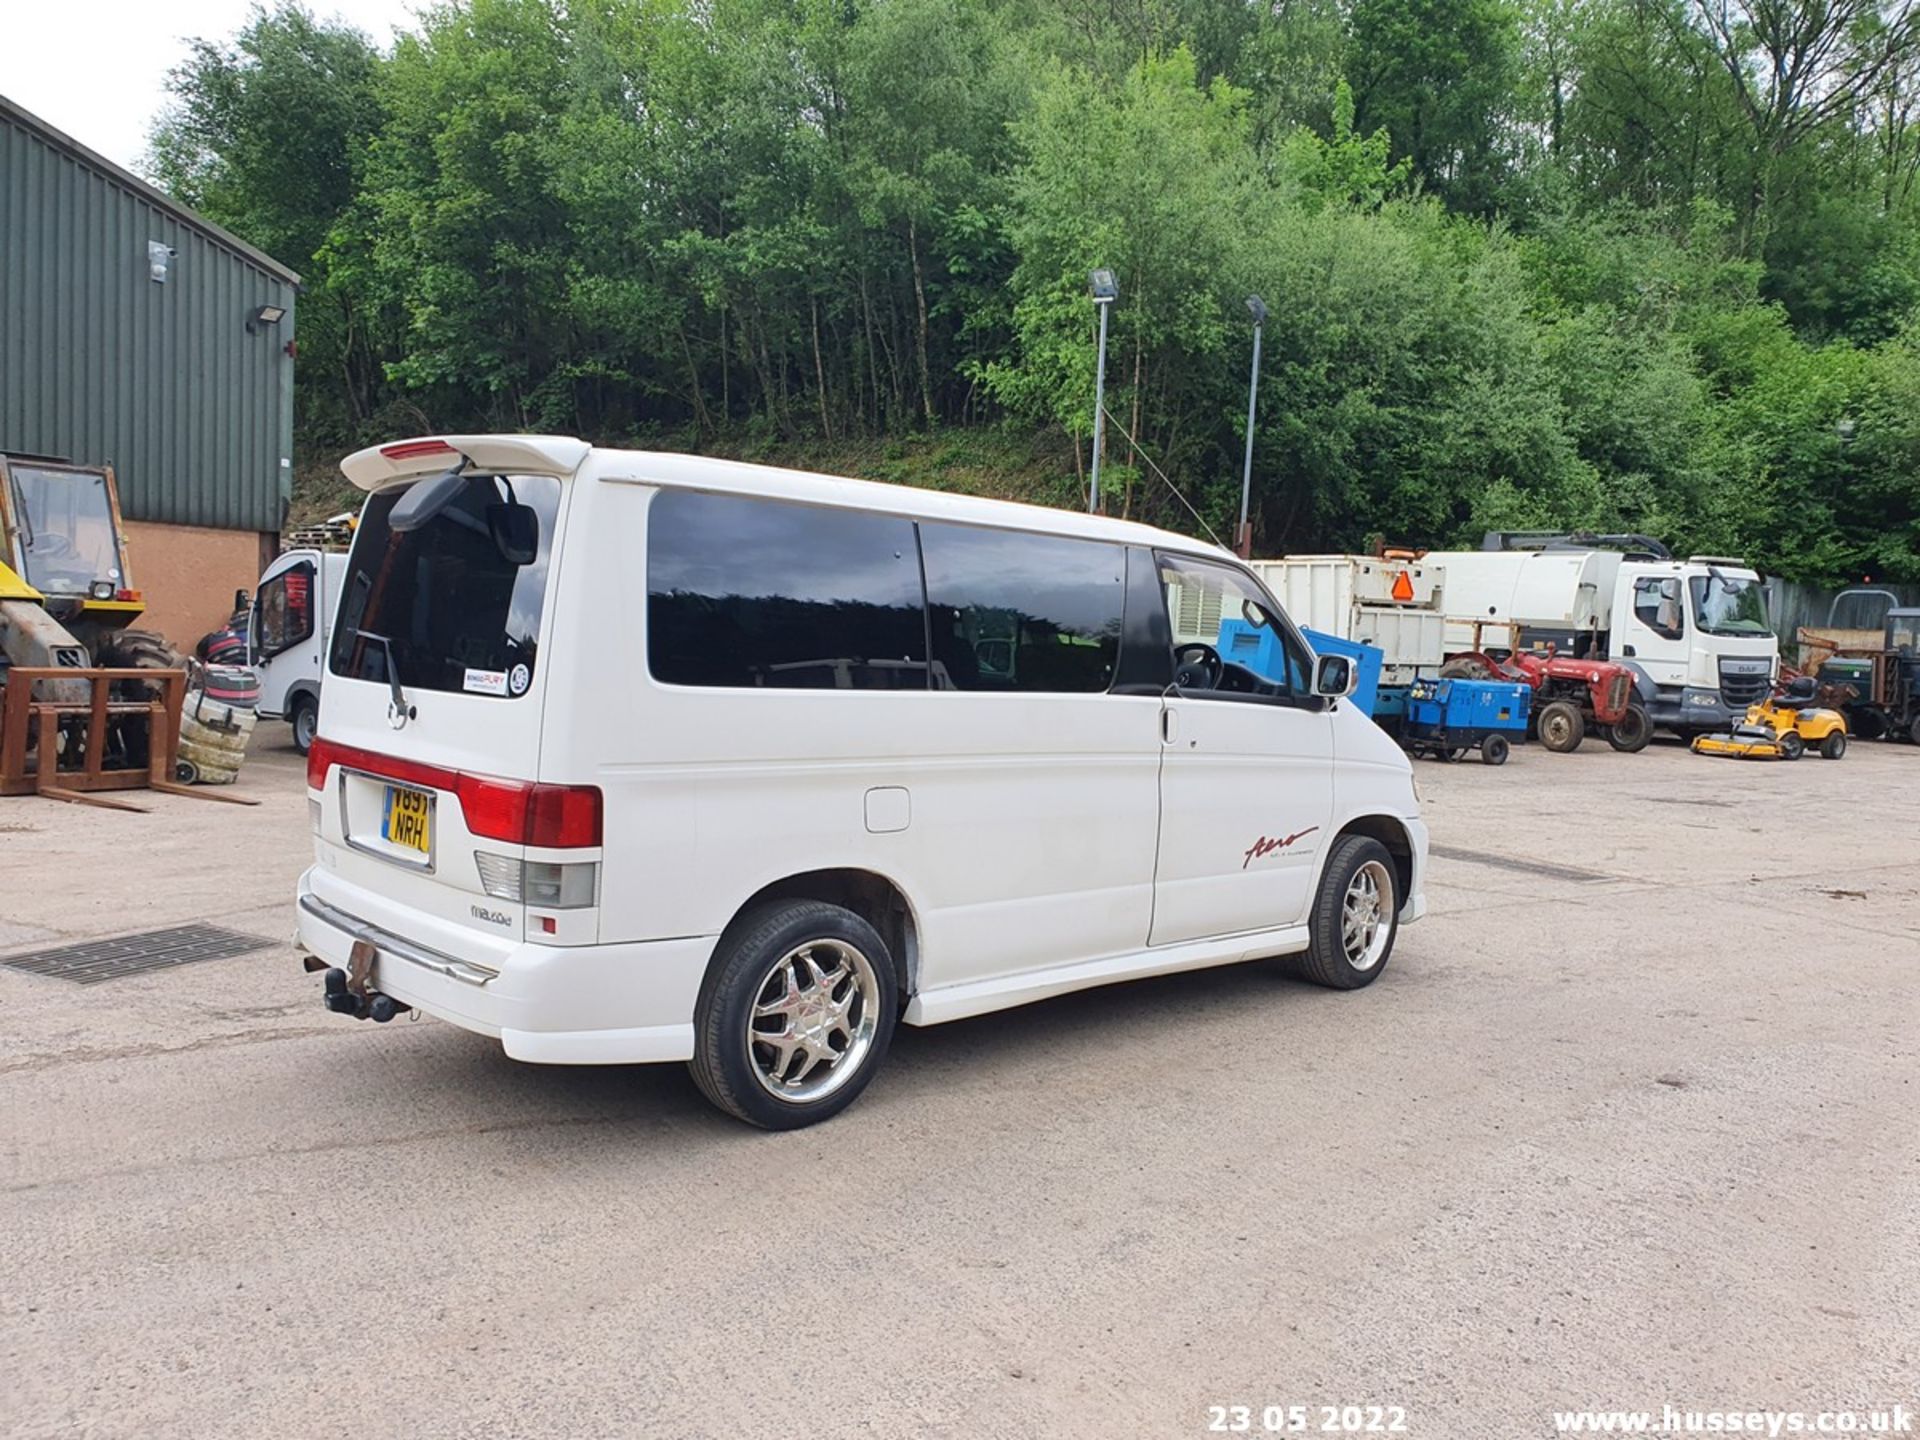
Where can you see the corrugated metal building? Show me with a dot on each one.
(132, 333)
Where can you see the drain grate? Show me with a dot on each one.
(92, 961)
(1525, 867)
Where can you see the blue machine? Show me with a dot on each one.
(1447, 718)
(1258, 648)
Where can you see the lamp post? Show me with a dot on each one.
(1243, 538)
(1105, 291)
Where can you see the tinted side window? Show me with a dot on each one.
(749, 592)
(1022, 612)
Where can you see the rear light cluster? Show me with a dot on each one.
(539, 882)
(518, 812)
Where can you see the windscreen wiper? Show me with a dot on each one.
(400, 706)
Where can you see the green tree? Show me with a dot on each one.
(1439, 76)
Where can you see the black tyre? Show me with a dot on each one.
(796, 1014)
(1561, 727)
(1792, 747)
(1631, 732)
(1834, 746)
(1913, 730)
(1356, 916)
(304, 717)
(1494, 750)
(136, 650)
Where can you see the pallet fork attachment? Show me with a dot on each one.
(21, 716)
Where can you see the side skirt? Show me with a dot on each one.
(1003, 992)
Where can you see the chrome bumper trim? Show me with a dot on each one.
(465, 971)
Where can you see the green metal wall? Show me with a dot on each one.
(99, 363)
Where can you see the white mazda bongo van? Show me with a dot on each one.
(635, 757)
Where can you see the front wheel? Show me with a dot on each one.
(796, 1014)
(1561, 726)
(1494, 750)
(1355, 917)
(1792, 747)
(1631, 732)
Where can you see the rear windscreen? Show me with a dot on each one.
(448, 602)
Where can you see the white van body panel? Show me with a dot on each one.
(1039, 842)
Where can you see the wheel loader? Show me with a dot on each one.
(88, 701)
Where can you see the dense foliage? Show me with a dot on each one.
(1626, 264)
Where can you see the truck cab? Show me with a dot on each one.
(1697, 633)
(288, 628)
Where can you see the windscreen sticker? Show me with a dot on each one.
(486, 682)
(518, 679)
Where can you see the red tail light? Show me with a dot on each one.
(519, 812)
(414, 449)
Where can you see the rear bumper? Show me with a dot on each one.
(554, 1005)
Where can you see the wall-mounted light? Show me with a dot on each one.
(264, 315)
(159, 254)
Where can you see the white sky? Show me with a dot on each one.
(97, 68)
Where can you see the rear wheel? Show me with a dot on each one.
(1355, 917)
(1494, 750)
(305, 720)
(796, 1014)
(1834, 746)
(1631, 732)
(1561, 726)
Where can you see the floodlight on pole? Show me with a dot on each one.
(1243, 537)
(1105, 290)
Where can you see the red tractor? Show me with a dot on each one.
(1570, 696)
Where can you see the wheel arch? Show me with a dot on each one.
(1391, 833)
(872, 896)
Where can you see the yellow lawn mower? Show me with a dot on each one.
(1784, 726)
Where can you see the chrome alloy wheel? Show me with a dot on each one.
(1366, 915)
(813, 1021)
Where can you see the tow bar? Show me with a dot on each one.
(347, 992)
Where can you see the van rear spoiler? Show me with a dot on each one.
(378, 466)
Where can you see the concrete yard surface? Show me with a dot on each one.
(1632, 1119)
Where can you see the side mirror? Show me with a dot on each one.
(1334, 676)
(515, 529)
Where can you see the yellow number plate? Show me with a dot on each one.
(409, 819)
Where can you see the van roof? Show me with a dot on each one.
(380, 465)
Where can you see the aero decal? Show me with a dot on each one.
(1263, 846)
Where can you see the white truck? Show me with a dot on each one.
(1694, 631)
(289, 628)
